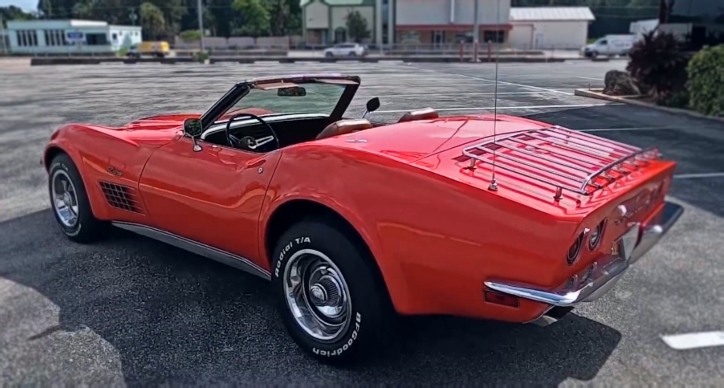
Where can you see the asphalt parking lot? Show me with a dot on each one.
(134, 311)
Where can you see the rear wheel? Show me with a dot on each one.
(70, 203)
(331, 301)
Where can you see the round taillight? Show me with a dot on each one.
(596, 235)
(575, 249)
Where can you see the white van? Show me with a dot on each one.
(609, 45)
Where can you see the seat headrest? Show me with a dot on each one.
(342, 127)
(420, 114)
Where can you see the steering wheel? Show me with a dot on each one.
(248, 142)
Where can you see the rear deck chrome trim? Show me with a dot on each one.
(198, 248)
(605, 274)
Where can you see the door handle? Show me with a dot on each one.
(256, 162)
(227, 157)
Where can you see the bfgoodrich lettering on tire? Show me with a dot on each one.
(70, 204)
(329, 296)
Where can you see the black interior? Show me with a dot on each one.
(289, 132)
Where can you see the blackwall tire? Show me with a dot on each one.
(328, 267)
(69, 202)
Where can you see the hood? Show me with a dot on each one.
(160, 122)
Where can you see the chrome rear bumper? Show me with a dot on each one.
(604, 274)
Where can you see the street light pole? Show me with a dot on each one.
(200, 11)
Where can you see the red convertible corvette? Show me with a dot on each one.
(491, 217)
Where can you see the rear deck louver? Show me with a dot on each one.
(121, 197)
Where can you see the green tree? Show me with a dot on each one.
(14, 13)
(152, 21)
(357, 26)
(254, 17)
(172, 11)
(286, 17)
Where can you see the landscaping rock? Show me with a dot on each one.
(619, 83)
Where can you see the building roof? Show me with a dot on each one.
(70, 22)
(519, 14)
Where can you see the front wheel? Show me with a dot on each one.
(70, 203)
(331, 301)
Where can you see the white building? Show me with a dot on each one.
(424, 22)
(550, 27)
(441, 22)
(48, 37)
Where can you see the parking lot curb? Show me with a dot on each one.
(597, 94)
(51, 61)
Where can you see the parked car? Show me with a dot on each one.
(346, 50)
(610, 45)
(159, 49)
(355, 222)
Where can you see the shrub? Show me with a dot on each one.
(190, 35)
(678, 99)
(657, 65)
(202, 56)
(706, 81)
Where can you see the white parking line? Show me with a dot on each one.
(461, 94)
(503, 107)
(622, 129)
(501, 82)
(694, 340)
(591, 78)
(700, 175)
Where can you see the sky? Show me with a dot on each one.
(26, 5)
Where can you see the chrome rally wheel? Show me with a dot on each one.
(330, 297)
(70, 203)
(64, 198)
(317, 295)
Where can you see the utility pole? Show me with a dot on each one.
(200, 11)
(476, 22)
(476, 30)
(5, 36)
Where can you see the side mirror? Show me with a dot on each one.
(192, 127)
(373, 104)
(294, 91)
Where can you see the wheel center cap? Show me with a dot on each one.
(318, 293)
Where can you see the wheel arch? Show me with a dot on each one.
(55, 149)
(51, 152)
(295, 210)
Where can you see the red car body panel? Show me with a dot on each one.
(435, 230)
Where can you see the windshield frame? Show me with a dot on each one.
(240, 90)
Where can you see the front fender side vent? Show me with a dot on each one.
(121, 197)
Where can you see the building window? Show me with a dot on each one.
(55, 38)
(114, 37)
(27, 38)
(494, 36)
(96, 39)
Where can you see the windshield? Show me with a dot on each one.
(319, 99)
